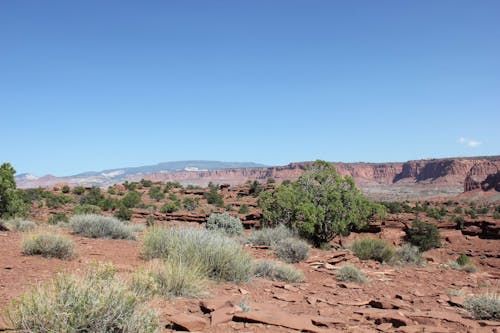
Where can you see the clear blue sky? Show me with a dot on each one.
(89, 85)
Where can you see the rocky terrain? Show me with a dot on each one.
(384, 181)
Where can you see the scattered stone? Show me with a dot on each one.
(277, 318)
(188, 323)
(456, 301)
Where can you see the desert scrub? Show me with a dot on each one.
(374, 249)
(169, 278)
(98, 226)
(49, 245)
(350, 273)
(463, 263)
(220, 257)
(424, 235)
(86, 209)
(21, 225)
(484, 306)
(277, 271)
(97, 302)
(291, 250)
(409, 254)
(269, 236)
(58, 218)
(225, 223)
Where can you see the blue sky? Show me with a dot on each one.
(89, 85)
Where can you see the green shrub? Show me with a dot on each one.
(226, 223)
(374, 249)
(49, 245)
(277, 271)
(130, 186)
(291, 250)
(458, 210)
(409, 254)
(156, 193)
(170, 207)
(213, 197)
(463, 263)
(92, 197)
(269, 236)
(12, 203)
(220, 257)
(463, 259)
(146, 182)
(424, 235)
(21, 225)
(320, 205)
(98, 303)
(79, 190)
(124, 213)
(86, 209)
(243, 209)
(57, 218)
(98, 226)
(169, 278)
(459, 222)
(190, 204)
(271, 180)
(131, 199)
(496, 216)
(485, 307)
(65, 189)
(350, 273)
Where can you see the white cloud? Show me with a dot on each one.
(469, 142)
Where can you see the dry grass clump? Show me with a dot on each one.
(484, 306)
(409, 254)
(49, 245)
(291, 250)
(225, 223)
(20, 225)
(277, 271)
(374, 249)
(97, 302)
(169, 278)
(220, 257)
(350, 273)
(98, 226)
(269, 236)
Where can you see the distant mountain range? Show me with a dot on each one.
(113, 176)
(426, 178)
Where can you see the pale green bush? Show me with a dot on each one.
(277, 271)
(98, 226)
(49, 245)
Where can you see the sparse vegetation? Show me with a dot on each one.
(485, 307)
(97, 302)
(98, 226)
(170, 207)
(124, 213)
(424, 235)
(277, 271)
(156, 193)
(169, 278)
(226, 223)
(374, 249)
(131, 199)
(86, 209)
(463, 263)
(269, 236)
(21, 225)
(49, 245)
(57, 218)
(213, 197)
(243, 209)
(350, 273)
(291, 250)
(220, 257)
(11, 200)
(410, 254)
(190, 204)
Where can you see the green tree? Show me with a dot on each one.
(131, 199)
(320, 205)
(156, 193)
(11, 199)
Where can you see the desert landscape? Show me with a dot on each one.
(368, 279)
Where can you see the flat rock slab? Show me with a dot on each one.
(188, 322)
(278, 318)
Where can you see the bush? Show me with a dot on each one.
(485, 307)
(226, 223)
(12, 202)
(65, 189)
(463, 263)
(269, 236)
(350, 273)
(169, 278)
(57, 200)
(170, 207)
(98, 226)
(124, 213)
(190, 204)
(291, 250)
(243, 209)
(220, 257)
(86, 209)
(146, 182)
(21, 225)
(97, 302)
(213, 197)
(156, 193)
(374, 249)
(423, 235)
(49, 245)
(277, 271)
(320, 205)
(79, 190)
(131, 199)
(410, 254)
(58, 218)
(92, 197)
(463, 259)
(459, 222)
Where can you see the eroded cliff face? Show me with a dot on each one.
(385, 181)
